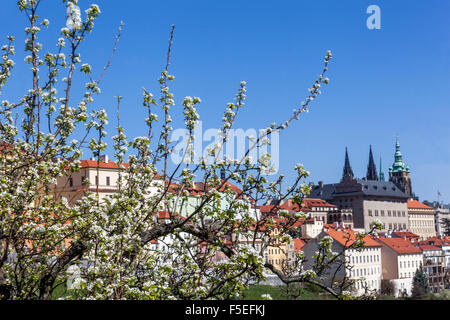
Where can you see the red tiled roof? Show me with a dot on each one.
(407, 234)
(306, 206)
(428, 247)
(103, 165)
(299, 244)
(267, 208)
(199, 188)
(437, 241)
(414, 204)
(310, 202)
(399, 245)
(228, 184)
(347, 237)
(166, 215)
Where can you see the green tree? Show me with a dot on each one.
(420, 286)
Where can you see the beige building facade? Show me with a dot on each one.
(421, 219)
(362, 265)
(94, 176)
(400, 260)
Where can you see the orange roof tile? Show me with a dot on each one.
(428, 247)
(103, 165)
(399, 245)
(406, 234)
(437, 241)
(299, 244)
(307, 205)
(347, 236)
(414, 204)
(311, 202)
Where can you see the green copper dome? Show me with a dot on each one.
(399, 165)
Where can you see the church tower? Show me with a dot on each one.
(371, 169)
(347, 172)
(381, 170)
(399, 172)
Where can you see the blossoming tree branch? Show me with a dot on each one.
(197, 214)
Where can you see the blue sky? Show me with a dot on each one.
(383, 82)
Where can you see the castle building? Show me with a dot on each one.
(370, 198)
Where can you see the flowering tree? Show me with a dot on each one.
(109, 240)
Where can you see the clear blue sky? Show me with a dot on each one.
(383, 82)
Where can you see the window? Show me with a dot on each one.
(382, 213)
(376, 213)
(389, 213)
(108, 181)
(370, 213)
(394, 213)
(390, 226)
(403, 214)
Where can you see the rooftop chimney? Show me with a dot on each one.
(104, 158)
(321, 184)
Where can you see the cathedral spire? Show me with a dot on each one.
(371, 169)
(381, 170)
(348, 172)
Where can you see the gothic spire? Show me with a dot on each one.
(348, 172)
(381, 170)
(371, 169)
